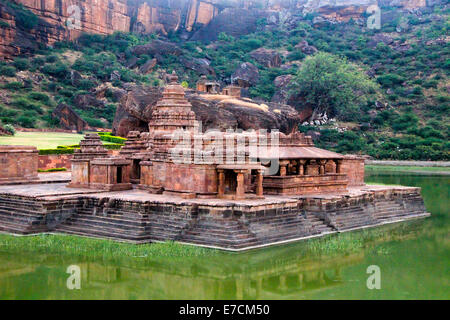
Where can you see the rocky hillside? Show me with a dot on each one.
(192, 19)
(113, 80)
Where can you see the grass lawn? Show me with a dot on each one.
(98, 248)
(412, 169)
(41, 140)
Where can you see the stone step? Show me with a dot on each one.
(12, 207)
(20, 213)
(19, 219)
(11, 227)
(112, 219)
(104, 224)
(204, 239)
(399, 215)
(219, 232)
(273, 218)
(23, 201)
(95, 232)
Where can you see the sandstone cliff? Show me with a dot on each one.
(197, 19)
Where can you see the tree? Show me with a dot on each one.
(333, 85)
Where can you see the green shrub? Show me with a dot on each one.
(15, 85)
(389, 80)
(7, 71)
(53, 170)
(24, 17)
(4, 24)
(21, 64)
(39, 96)
(86, 84)
(57, 70)
(26, 121)
(9, 128)
(56, 151)
(113, 139)
(96, 123)
(113, 146)
(25, 104)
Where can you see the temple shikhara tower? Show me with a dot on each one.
(232, 189)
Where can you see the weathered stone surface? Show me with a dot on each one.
(306, 48)
(137, 215)
(157, 48)
(52, 161)
(148, 66)
(200, 19)
(266, 57)
(246, 75)
(88, 101)
(18, 164)
(69, 119)
(201, 66)
(282, 92)
(135, 109)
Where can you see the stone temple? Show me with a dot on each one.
(231, 190)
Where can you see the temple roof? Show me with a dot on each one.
(295, 152)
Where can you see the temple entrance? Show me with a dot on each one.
(136, 171)
(119, 174)
(230, 182)
(233, 183)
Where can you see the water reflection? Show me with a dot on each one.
(408, 253)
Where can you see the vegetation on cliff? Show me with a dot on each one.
(392, 103)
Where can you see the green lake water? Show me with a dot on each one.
(413, 258)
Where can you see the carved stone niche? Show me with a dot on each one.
(111, 174)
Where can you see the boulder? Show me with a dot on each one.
(69, 119)
(246, 75)
(306, 48)
(88, 101)
(232, 21)
(201, 66)
(282, 88)
(148, 66)
(157, 48)
(379, 37)
(134, 111)
(266, 57)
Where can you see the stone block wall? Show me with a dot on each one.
(18, 163)
(52, 161)
(353, 167)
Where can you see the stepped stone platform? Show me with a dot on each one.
(139, 217)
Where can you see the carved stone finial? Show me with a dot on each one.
(173, 78)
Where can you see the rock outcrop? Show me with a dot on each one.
(204, 20)
(69, 119)
(215, 112)
(246, 75)
(267, 57)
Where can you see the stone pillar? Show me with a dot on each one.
(259, 183)
(283, 167)
(301, 167)
(221, 188)
(240, 188)
(338, 165)
(322, 166)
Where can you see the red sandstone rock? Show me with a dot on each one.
(135, 109)
(266, 57)
(203, 19)
(69, 119)
(246, 75)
